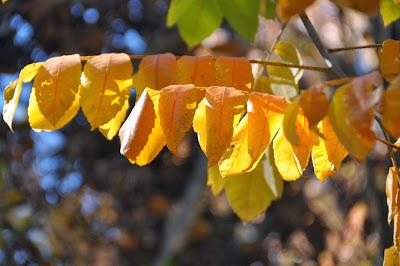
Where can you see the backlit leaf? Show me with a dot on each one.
(389, 59)
(178, 104)
(197, 70)
(289, 122)
(328, 155)
(215, 119)
(249, 194)
(215, 180)
(351, 116)
(314, 104)
(391, 257)
(156, 72)
(271, 173)
(56, 86)
(106, 81)
(289, 8)
(391, 107)
(234, 72)
(13, 91)
(110, 129)
(390, 11)
(392, 193)
(242, 15)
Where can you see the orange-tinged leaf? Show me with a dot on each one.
(291, 160)
(106, 81)
(289, 8)
(135, 131)
(396, 230)
(314, 104)
(391, 257)
(39, 122)
(156, 140)
(351, 116)
(215, 180)
(389, 59)
(56, 85)
(215, 119)
(156, 72)
(265, 113)
(178, 104)
(391, 108)
(197, 70)
(248, 194)
(13, 91)
(328, 155)
(234, 72)
(392, 193)
(110, 129)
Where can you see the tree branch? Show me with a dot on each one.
(349, 48)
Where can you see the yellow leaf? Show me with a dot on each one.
(39, 122)
(292, 160)
(56, 85)
(156, 72)
(135, 131)
(249, 194)
(106, 81)
(328, 155)
(351, 116)
(391, 107)
(110, 129)
(234, 72)
(289, 122)
(391, 257)
(13, 91)
(392, 193)
(215, 180)
(254, 133)
(215, 119)
(389, 59)
(178, 103)
(271, 173)
(197, 70)
(396, 230)
(289, 8)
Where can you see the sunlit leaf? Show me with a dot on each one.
(392, 193)
(389, 59)
(156, 72)
(13, 91)
(56, 87)
(391, 257)
(328, 155)
(390, 11)
(106, 81)
(215, 119)
(197, 70)
(234, 72)
(314, 104)
(110, 129)
(215, 180)
(178, 104)
(289, 8)
(391, 107)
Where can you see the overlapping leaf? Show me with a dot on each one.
(392, 193)
(197, 70)
(234, 72)
(389, 59)
(391, 107)
(289, 8)
(215, 119)
(106, 81)
(53, 101)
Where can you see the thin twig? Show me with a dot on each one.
(388, 143)
(349, 48)
(318, 43)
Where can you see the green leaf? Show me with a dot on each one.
(268, 9)
(242, 15)
(177, 9)
(389, 11)
(199, 20)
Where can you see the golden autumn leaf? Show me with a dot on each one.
(13, 91)
(156, 72)
(392, 193)
(370, 7)
(391, 257)
(215, 180)
(351, 116)
(314, 104)
(106, 81)
(389, 59)
(328, 155)
(248, 194)
(177, 107)
(234, 72)
(291, 160)
(56, 86)
(197, 70)
(111, 128)
(215, 119)
(253, 134)
(288, 8)
(141, 135)
(391, 107)
(396, 230)
(289, 122)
